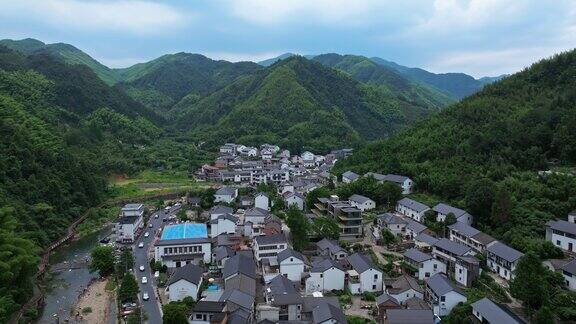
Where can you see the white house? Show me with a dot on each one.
(502, 259)
(266, 154)
(223, 224)
(255, 215)
(294, 198)
(225, 194)
(404, 288)
(562, 234)
(411, 208)
(349, 176)
(184, 282)
(220, 210)
(393, 223)
(404, 182)
(130, 222)
(331, 249)
(291, 264)
(205, 311)
(448, 251)
(486, 311)
(361, 202)
(569, 274)
(442, 294)
(442, 210)
(466, 270)
(363, 276)
(425, 264)
(262, 201)
(268, 246)
(463, 233)
(325, 275)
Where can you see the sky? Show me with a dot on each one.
(478, 37)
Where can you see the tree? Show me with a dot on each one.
(182, 215)
(326, 227)
(312, 196)
(450, 219)
(387, 237)
(544, 316)
(502, 206)
(529, 284)
(174, 313)
(387, 194)
(128, 291)
(102, 260)
(298, 225)
(125, 263)
(479, 199)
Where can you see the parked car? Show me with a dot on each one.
(156, 216)
(144, 280)
(150, 225)
(141, 268)
(157, 274)
(145, 296)
(146, 234)
(141, 244)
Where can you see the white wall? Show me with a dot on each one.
(206, 250)
(402, 297)
(181, 289)
(223, 198)
(428, 267)
(410, 213)
(331, 279)
(452, 299)
(563, 242)
(262, 201)
(367, 281)
(292, 268)
(294, 200)
(223, 226)
(570, 281)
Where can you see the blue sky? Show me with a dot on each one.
(478, 37)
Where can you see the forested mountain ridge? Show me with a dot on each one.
(164, 81)
(65, 52)
(366, 71)
(299, 104)
(487, 149)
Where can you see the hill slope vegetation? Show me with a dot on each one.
(299, 104)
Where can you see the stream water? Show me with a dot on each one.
(68, 276)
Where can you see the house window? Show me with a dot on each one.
(198, 316)
(435, 266)
(291, 259)
(375, 276)
(321, 275)
(373, 287)
(459, 270)
(442, 298)
(558, 242)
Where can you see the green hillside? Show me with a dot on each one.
(489, 147)
(365, 70)
(164, 81)
(300, 104)
(67, 53)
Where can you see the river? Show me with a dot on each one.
(68, 276)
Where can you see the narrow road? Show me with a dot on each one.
(141, 258)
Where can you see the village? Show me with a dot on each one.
(238, 261)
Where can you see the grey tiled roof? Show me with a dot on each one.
(495, 313)
(414, 226)
(238, 297)
(222, 252)
(220, 209)
(464, 229)
(190, 272)
(377, 176)
(279, 238)
(359, 199)
(452, 247)
(413, 204)
(323, 265)
(239, 263)
(128, 207)
(285, 254)
(350, 175)
(441, 285)
(409, 316)
(330, 245)
(447, 209)
(504, 251)
(208, 306)
(570, 267)
(226, 191)
(423, 237)
(388, 218)
(256, 212)
(402, 284)
(395, 178)
(417, 255)
(325, 312)
(384, 298)
(360, 262)
(562, 226)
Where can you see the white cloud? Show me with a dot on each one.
(492, 62)
(337, 12)
(240, 57)
(139, 17)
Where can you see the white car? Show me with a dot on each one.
(145, 296)
(156, 216)
(146, 234)
(150, 225)
(144, 280)
(141, 268)
(141, 244)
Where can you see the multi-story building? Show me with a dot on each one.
(349, 218)
(182, 244)
(502, 259)
(412, 208)
(562, 234)
(425, 265)
(130, 222)
(442, 294)
(468, 235)
(268, 246)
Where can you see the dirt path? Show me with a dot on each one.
(97, 300)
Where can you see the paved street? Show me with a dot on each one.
(151, 307)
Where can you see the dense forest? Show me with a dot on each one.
(63, 131)
(485, 153)
(299, 104)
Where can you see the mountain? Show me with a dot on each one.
(299, 104)
(273, 60)
(367, 71)
(487, 80)
(484, 153)
(164, 81)
(66, 52)
(457, 85)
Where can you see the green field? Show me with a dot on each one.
(149, 183)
